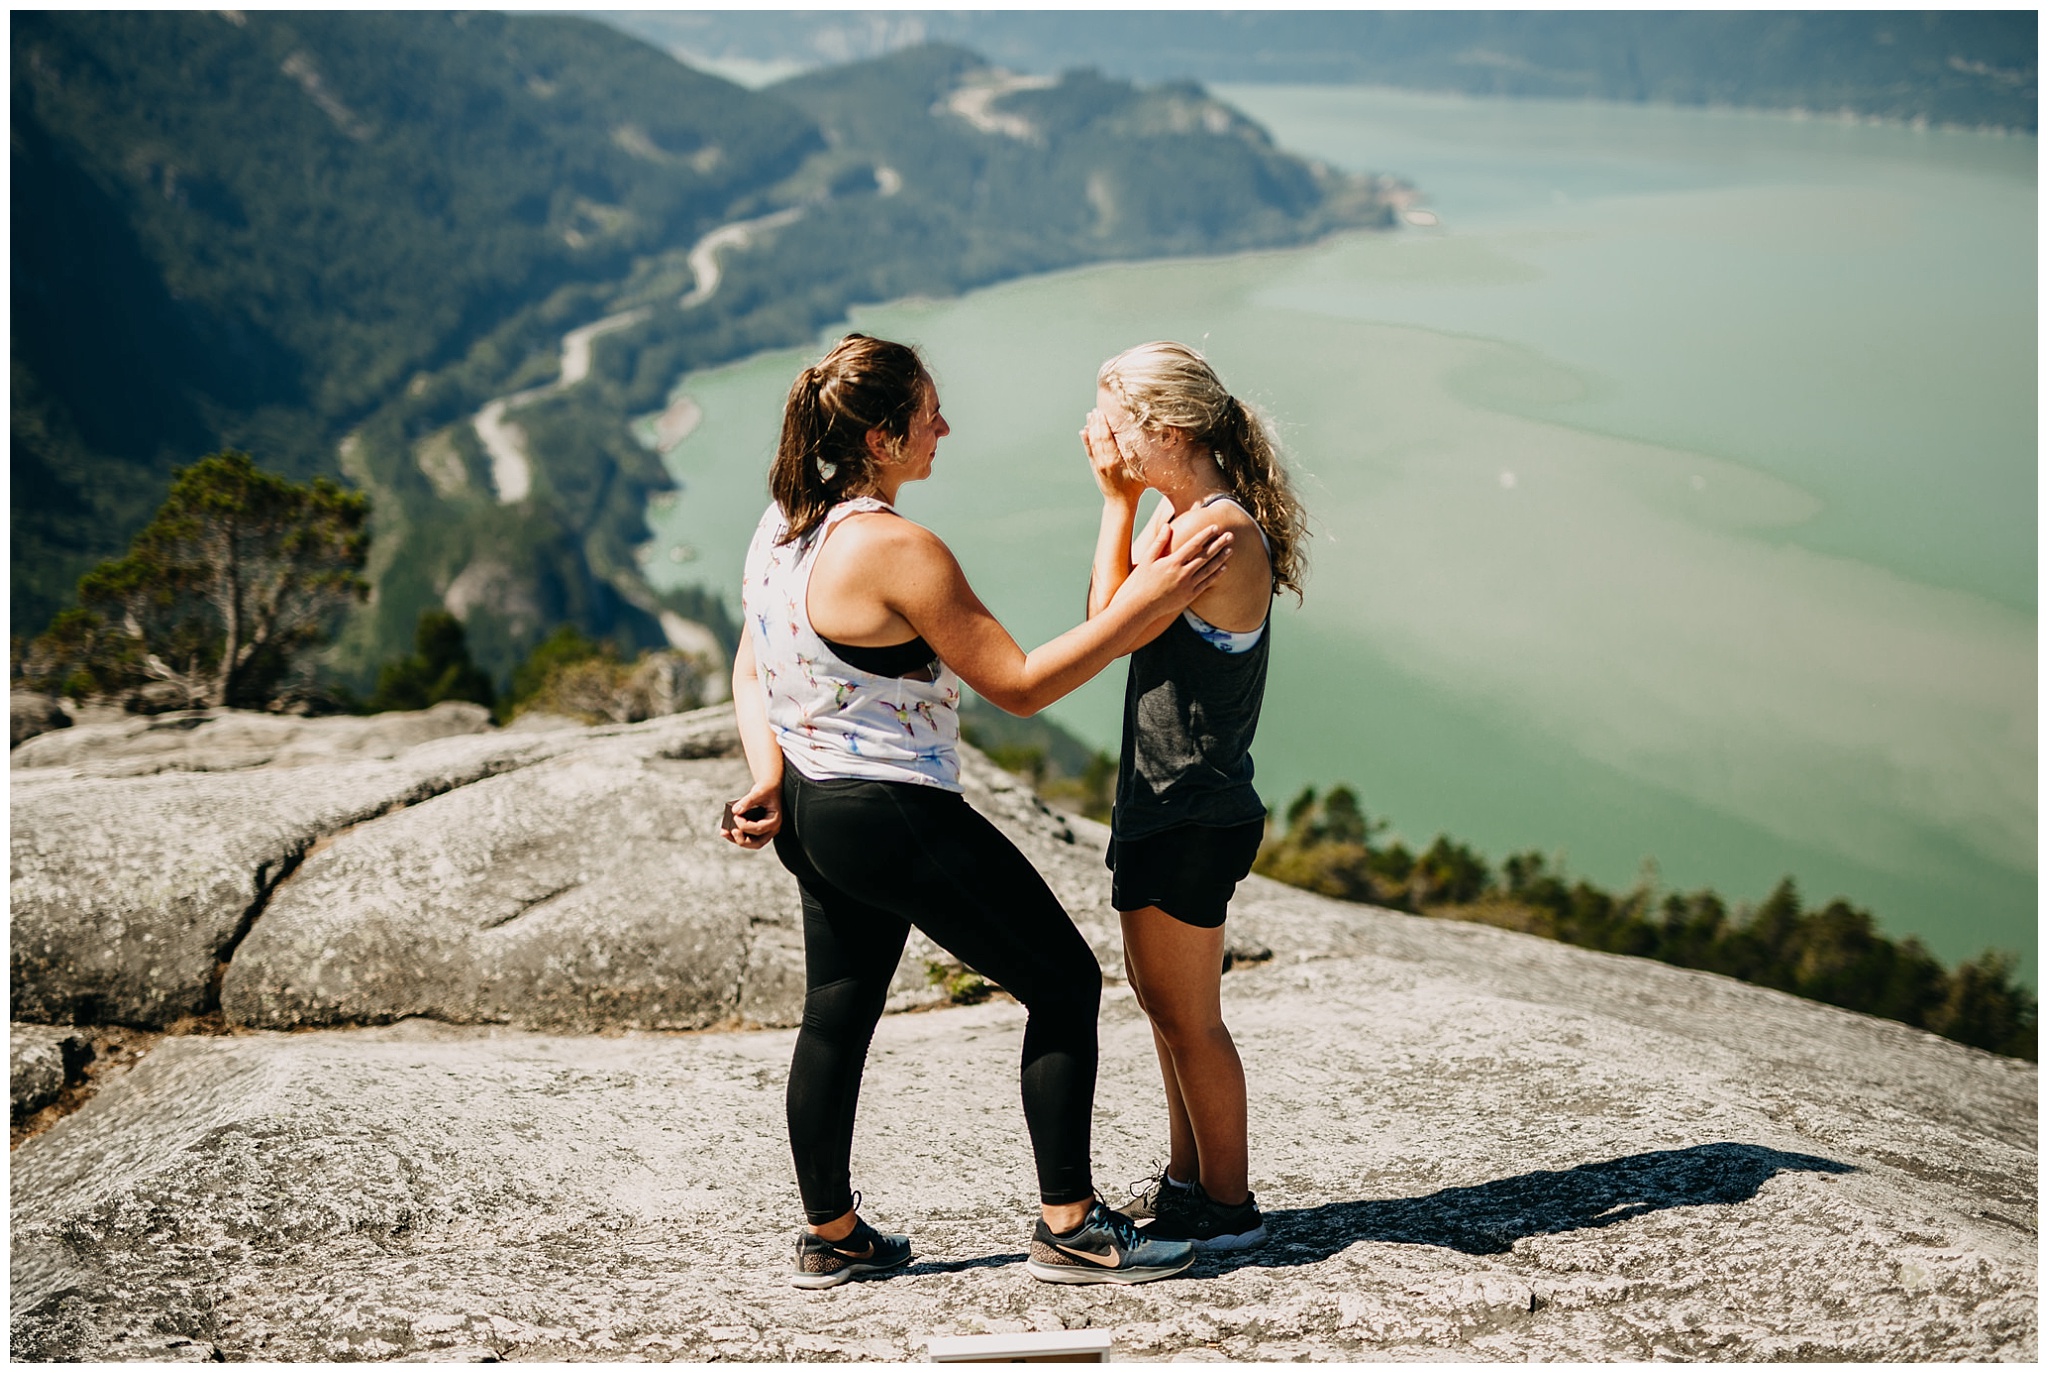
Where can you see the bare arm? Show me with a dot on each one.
(1112, 554)
(764, 755)
(1120, 495)
(927, 588)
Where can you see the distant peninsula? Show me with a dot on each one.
(1970, 69)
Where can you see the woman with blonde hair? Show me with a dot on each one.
(1187, 821)
(859, 627)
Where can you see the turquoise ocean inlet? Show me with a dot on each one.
(1674, 494)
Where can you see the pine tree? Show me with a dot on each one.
(239, 572)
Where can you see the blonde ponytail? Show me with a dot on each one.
(1258, 481)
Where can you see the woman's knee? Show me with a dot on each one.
(1134, 977)
(1080, 987)
(846, 1008)
(1182, 1024)
(1069, 986)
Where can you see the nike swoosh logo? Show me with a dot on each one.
(866, 1253)
(1112, 1261)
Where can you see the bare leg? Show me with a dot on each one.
(1177, 970)
(1060, 1218)
(1184, 1159)
(1065, 1216)
(1184, 1155)
(834, 1230)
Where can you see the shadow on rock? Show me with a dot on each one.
(1489, 1218)
(959, 1265)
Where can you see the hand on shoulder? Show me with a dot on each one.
(1240, 596)
(1146, 545)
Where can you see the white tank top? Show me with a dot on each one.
(831, 718)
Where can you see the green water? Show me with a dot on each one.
(1674, 500)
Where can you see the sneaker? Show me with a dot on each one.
(1208, 1224)
(1106, 1247)
(1154, 1194)
(827, 1263)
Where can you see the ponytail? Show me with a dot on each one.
(1258, 482)
(823, 456)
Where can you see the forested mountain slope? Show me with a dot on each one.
(330, 238)
(999, 172)
(255, 230)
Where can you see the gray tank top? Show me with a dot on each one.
(1190, 710)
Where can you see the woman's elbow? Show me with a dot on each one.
(1017, 699)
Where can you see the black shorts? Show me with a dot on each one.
(1188, 871)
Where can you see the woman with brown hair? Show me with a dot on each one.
(1187, 821)
(859, 627)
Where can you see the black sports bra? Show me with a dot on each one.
(908, 659)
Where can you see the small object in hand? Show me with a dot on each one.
(726, 821)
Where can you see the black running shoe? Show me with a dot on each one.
(1154, 1195)
(1106, 1247)
(1208, 1224)
(827, 1263)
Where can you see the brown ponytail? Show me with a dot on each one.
(1170, 385)
(823, 456)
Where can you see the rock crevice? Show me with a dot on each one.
(139, 874)
(266, 884)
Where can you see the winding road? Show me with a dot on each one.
(511, 471)
(739, 233)
(505, 443)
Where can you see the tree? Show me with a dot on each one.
(438, 669)
(1447, 873)
(1327, 848)
(239, 571)
(603, 689)
(79, 656)
(566, 645)
(1834, 954)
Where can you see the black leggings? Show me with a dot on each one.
(874, 858)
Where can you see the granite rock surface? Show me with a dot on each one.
(42, 1060)
(588, 891)
(225, 740)
(462, 1110)
(30, 713)
(1469, 1144)
(130, 893)
(554, 877)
